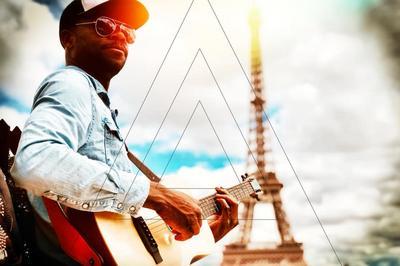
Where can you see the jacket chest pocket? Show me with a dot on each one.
(113, 140)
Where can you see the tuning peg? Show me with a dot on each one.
(245, 176)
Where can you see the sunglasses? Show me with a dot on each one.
(106, 26)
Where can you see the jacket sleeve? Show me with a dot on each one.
(48, 163)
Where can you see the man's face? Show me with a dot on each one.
(99, 54)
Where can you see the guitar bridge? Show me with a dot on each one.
(147, 238)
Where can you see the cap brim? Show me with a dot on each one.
(130, 12)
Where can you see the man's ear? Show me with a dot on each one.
(67, 38)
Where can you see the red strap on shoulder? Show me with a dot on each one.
(71, 241)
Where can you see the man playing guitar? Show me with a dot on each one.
(70, 146)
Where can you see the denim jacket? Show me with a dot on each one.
(68, 145)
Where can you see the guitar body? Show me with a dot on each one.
(115, 238)
(126, 247)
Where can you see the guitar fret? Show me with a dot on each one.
(209, 206)
(238, 196)
(206, 206)
(241, 193)
(233, 192)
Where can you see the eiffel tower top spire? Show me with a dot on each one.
(257, 90)
(259, 159)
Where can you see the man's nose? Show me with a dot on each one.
(119, 35)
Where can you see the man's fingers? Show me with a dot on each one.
(195, 221)
(181, 237)
(184, 231)
(221, 190)
(232, 202)
(199, 217)
(195, 228)
(231, 213)
(225, 209)
(224, 203)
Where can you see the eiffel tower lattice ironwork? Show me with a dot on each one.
(260, 166)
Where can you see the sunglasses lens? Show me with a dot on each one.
(105, 26)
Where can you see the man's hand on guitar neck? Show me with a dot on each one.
(227, 217)
(181, 212)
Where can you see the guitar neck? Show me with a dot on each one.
(209, 205)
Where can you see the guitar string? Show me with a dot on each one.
(153, 218)
(162, 223)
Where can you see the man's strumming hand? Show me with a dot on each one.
(181, 212)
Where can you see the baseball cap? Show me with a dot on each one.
(130, 12)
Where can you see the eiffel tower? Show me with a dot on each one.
(242, 252)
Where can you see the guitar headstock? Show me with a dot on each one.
(254, 185)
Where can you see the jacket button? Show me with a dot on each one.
(119, 206)
(62, 198)
(132, 209)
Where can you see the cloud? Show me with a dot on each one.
(33, 50)
(12, 117)
(6, 100)
(55, 6)
(10, 20)
(382, 18)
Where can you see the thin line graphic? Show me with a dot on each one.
(276, 136)
(230, 110)
(215, 132)
(219, 140)
(187, 124)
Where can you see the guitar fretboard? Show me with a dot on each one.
(209, 205)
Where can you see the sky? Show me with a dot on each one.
(332, 98)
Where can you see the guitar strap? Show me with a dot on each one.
(142, 167)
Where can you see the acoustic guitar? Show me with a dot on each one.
(147, 240)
